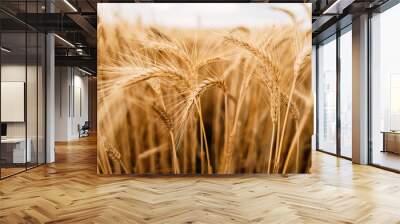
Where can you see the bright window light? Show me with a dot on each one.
(70, 5)
(64, 40)
(5, 50)
(84, 71)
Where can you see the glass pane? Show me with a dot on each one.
(13, 89)
(386, 89)
(346, 94)
(327, 97)
(314, 78)
(41, 98)
(31, 97)
(31, 87)
(22, 90)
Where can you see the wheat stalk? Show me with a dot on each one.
(156, 89)
(300, 59)
(168, 123)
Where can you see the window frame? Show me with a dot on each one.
(334, 37)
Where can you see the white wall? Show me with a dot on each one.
(12, 73)
(70, 83)
(81, 84)
(62, 81)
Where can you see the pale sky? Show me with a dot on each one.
(204, 15)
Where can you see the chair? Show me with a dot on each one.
(84, 130)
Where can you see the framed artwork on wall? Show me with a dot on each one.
(205, 89)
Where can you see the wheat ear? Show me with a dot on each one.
(163, 115)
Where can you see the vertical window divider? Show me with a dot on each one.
(26, 86)
(46, 41)
(45, 93)
(37, 90)
(317, 97)
(369, 79)
(338, 74)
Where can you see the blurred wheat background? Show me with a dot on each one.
(204, 101)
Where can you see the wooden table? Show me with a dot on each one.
(391, 141)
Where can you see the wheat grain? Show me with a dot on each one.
(156, 99)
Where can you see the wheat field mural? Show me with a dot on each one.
(204, 99)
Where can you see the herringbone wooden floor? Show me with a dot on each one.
(69, 191)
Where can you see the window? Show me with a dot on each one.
(334, 137)
(22, 77)
(385, 89)
(327, 96)
(346, 93)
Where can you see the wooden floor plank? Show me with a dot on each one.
(69, 191)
